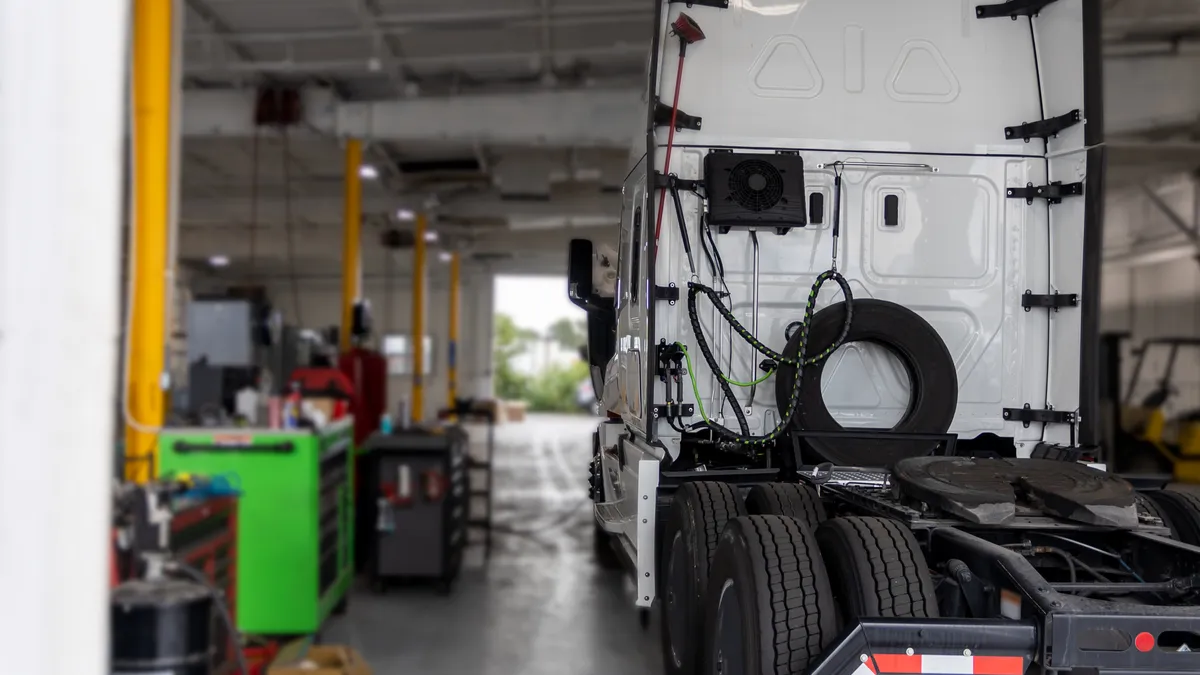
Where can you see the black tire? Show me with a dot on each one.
(877, 569)
(794, 500)
(934, 381)
(771, 607)
(1180, 511)
(698, 513)
(606, 556)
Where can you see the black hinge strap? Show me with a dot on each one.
(662, 118)
(670, 293)
(1054, 301)
(719, 4)
(1029, 415)
(1012, 8)
(672, 181)
(1052, 193)
(672, 410)
(1044, 129)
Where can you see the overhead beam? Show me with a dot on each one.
(219, 30)
(597, 118)
(324, 209)
(1172, 216)
(202, 243)
(1141, 95)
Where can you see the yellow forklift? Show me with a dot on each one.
(1147, 438)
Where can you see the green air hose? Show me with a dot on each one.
(694, 289)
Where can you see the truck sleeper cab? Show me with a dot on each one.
(848, 358)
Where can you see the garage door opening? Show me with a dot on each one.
(539, 342)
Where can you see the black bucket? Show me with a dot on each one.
(163, 627)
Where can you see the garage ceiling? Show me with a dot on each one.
(491, 190)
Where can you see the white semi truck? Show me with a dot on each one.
(847, 343)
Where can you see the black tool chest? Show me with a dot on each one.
(418, 486)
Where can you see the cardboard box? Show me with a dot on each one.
(515, 411)
(323, 660)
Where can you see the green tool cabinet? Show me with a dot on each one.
(295, 517)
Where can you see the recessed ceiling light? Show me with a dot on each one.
(368, 172)
(431, 235)
(219, 261)
(406, 215)
(445, 256)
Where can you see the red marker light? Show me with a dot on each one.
(1144, 642)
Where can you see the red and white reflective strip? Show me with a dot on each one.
(918, 664)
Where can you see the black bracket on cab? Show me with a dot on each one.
(1053, 301)
(670, 293)
(673, 410)
(673, 182)
(1029, 415)
(1044, 129)
(1013, 8)
(662, 118)
(719, 4)
(1052, 193)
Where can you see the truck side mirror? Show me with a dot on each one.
(579, 272)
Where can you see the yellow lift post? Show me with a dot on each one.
(146, 359)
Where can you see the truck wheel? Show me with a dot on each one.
(877, 569)
(606, 556)
(698, 513)
(1180, 511)
(786, 499)
(770, 605)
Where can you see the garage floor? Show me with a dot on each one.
(541, 607)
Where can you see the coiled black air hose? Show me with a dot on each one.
(711, 360)
(694, 289)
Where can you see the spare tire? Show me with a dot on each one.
(931, 373)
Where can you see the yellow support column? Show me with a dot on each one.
(418, 322)
(146, 359)
(351, 240)
(452, 344)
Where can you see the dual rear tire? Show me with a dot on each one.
(782, 581)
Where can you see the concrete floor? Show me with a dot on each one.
(541, 606)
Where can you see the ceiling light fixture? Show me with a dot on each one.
(368, 172)
(219, 261)
(406, 215)
(431, 236)
(445, 256)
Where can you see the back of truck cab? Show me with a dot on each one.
(967, 137)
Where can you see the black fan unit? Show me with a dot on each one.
(755, 190)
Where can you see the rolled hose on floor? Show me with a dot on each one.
(798, 362)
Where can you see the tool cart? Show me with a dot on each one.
(418, 478)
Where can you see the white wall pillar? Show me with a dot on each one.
(62, 66)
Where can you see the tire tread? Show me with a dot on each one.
(1182, 511)
(712, 504)
(795, 603)
(793, 500)
(890, 572)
